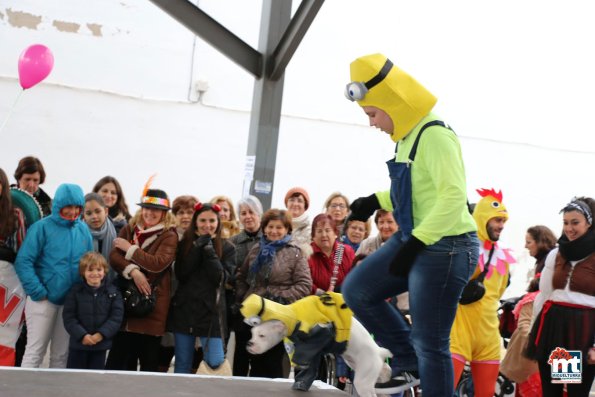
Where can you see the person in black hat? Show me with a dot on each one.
(143, 252)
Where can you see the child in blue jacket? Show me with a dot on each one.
(47, 265)
(93, 313)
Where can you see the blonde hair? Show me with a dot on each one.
(91, 259)
(168, 220)
(232, 211)
(333, 196)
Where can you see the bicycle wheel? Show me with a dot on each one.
(329, 369)
(504, 387)
(465, 387)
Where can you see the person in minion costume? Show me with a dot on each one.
(475, 335)
(435, 250)
(316, 325)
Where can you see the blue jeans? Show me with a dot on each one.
(434, 283)
(184, 351)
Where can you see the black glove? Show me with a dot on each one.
(363, 208)
(209, 250)
(405, 257)
(201, 241)
(235, 308)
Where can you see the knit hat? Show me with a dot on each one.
(298, 190)
(398, 94)
(490, 206)
(155, 198)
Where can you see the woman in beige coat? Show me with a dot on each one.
(539, 240)
(276, 269)
(144, 252)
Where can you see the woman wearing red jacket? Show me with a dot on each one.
(330, 260)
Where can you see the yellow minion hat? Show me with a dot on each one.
(490, 206)
(265, 309)
(398, 94)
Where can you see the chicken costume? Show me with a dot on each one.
(475, 336)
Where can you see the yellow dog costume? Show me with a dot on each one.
(302, 315)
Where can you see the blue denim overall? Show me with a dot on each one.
(435, 282)
(400, 186)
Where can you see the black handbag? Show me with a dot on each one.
(475, 290)
(137, 304)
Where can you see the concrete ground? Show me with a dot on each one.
(16, 382)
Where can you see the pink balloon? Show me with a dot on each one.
(35, 64)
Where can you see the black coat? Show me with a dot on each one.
(88, 310)
(199, 275)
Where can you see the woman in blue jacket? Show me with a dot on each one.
(48, 265)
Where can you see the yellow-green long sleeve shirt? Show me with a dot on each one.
(438, 182)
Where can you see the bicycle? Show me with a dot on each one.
(504, 386)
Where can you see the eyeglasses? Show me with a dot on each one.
(339, 206)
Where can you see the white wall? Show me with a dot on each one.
(513, 79)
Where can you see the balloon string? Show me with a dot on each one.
(11, 110)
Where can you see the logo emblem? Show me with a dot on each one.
(566, 365)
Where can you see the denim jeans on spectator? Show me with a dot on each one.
(184, 352)
(434, 283)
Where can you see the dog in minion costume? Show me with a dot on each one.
(317, 325)
(475, 335)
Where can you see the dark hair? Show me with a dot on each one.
(95, 197)
(275, 214)
(30, 165)
(321, 218)
(190, 233)
(380, 212)
(7, 217)
(185, 201)
(591, 204)
(544, 238)
(120, 206)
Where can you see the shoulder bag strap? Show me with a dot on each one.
(338, 259)
(218, 311)
(486, 265)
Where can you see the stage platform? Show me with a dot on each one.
(21, 382)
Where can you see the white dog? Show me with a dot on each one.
(363, 355)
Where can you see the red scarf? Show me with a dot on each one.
(141, 235)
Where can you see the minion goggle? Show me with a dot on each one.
(356, 90)
(255, 320)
